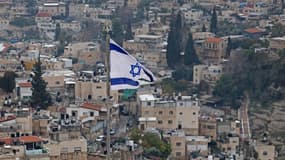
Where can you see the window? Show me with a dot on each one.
(91, 114)
(57, 82)
(194, 113)
(180, 113)
(178, 143)
(178, 154)
(77, 148)
(160, 122)
(265, 153)
(148, 103)
(160, 112)
(170, 122)
(73, 113)
(181, 104)
(171, 112)
(98, 87)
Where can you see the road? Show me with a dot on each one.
(245, 126)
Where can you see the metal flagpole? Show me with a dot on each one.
(107, 63)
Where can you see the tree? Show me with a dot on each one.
(23, 21)
(190, 56)
(7, 83)
(31, 6)
(117, 30)
(174, 41)
(204, 28)
(129, 33)
(278, 30)
(229, 47)
(57, 32)
(40, 97)
(214, 22)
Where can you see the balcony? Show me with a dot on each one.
(36, 152)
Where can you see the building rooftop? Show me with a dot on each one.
(147, 97)
(43, 14)
(25, 84)
(30, 139)
(91, 106)
(253, 30)
(214, 40)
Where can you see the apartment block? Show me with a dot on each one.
(171, 113)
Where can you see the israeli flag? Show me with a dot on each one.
(125, 71)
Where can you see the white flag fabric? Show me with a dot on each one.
(125, 71)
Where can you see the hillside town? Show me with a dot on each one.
(218, 95)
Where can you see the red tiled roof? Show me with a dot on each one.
(91, 106)
(30, 139)
(25, 84)
(253, 30)
(43, 14)
(214, 40)
(6, 140)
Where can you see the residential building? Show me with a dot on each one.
(214, 50)
(74, 49)
(183, 146)
(192, 15)
(202, 35)
(254, 33)
(208, 127)
(55, 78)
(70, 149)
(133, 4)
(85, 112)
(23, 147)
(47, 29)
(171, 113)
(178, 145)
(277, 43)
(40, 125)
(43, 17)
(207, 73)
(24, 90)
(93, 90)
(74, 26)
(4, 23)
(197, 144)
(65, 140)
(54, 8)
(229, 144)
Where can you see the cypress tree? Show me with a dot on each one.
(171, 50)
(129, 33)
(190, 56)
(40, 97)
(204, 28)
(214, 22)
(174, 41)
(57, 32)
(229, 47)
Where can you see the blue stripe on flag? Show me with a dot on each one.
(118, 81)
(117, 48)
(149, 75)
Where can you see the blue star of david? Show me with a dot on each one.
(135, 70)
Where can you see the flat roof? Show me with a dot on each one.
(147, 97)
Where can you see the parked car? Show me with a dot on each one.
(100, 138)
